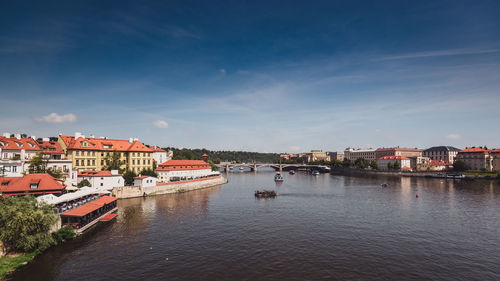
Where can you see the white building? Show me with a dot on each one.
(160, 155)
(354, 154)
(102, 179)
(177, 170)
(404, 162)
(145, 181)
(15, 154)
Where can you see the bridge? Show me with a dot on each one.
(277, 167)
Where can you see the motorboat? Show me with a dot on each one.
(315, 173)
(278, 178)
(292, 172)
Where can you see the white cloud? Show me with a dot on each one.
(160, 124)
(453, 136)
(56, 118)
(222, 71)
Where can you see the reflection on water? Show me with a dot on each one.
(319, 227)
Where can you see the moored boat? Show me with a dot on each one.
(315, 173)
(265, 193)
(292, 172)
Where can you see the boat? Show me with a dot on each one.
(292, 172)
(241, 168)
(441, 176)
(315, 173)
(384, 184)
(455, 176)
(231, 168)
(265, 193)
(278, 178)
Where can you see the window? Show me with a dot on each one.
(93, 162)
(102, 178)
(34, 185)
(102, 162)
(76, 162)
(88, 162)
(14, 169)
(101, 183)
(77, 153)
(133, 162)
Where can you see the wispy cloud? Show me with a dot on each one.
(162, 124)
(438, 53)
(56, 118)
(453, 137)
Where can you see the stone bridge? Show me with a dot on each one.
(277, 167)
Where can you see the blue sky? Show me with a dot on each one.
(269, 76)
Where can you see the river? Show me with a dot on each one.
(322, 227)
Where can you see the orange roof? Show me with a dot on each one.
(204, 155)
(495, 151)
(45, 183)
(18, 144)
(90, 207)
(474, 150)
(406, 168)
(439, 163)
(97, 174)
(104, 144)
(390, 157)
(158, 149)
(176, 165)
(52, 147)
(140, 178)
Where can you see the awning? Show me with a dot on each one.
(90, 207)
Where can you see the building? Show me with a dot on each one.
(31, 184)
(441, 153)
(86, 215)
(316, 155)
(404, 162)
(177, 170)
(102, 179)
(495, 159)
(288, 156)
(95, 153)
(398, 151)
(160, 155)
(15, 154)
(145, 181)
(337, 156)
(476, 158)
(354, 154)
(56, 160)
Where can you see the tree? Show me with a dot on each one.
(38, 165)
(390, 166)
(149, 172)
(25, 224)
(374, 165)
(129, 176)
(113, 161)
(361, 163)
(83, 183)
(214, 167)
(396, 166)
(346, 163)
(459, 166)
(55, 173)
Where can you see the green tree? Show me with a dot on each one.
(83, 183)
(361, 163)
(390, 166)
(374, 165)
(65, 233)
(347, 163)
(459, 166)
(129, 176)
(56, 173)
(38, 165)
(212, 164)
(149, 172)
(25, 224)
(396, 166)
(113, 161)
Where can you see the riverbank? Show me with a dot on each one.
(166, 188)
(9, 264)
(355, 171)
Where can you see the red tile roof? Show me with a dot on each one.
(97, 174)
(52, 147)
(46, 184)
(439, 163)
(495, 151)
(18, 144)
(157, 149)
(406, 168)
(393, 158)
(474, 150)
(90, 207)
(140, 178)
(177, 165)
(104, 144)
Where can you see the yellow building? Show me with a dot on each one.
(95, 153)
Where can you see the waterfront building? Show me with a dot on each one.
(15, 154)
(441, 153)
(476, 158)
(354, 154)
(84, 216)
(404, 162)
(495, 159)
(177, 170)
(102, 179)
(398, 151)
(95, 153)
(145, 181)
(160, 155)
(316, 155)
(337, 155)
(30, 184)
(56, 160)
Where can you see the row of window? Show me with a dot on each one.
(93, 153)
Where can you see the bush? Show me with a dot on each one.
(83, 183)
(65, 233)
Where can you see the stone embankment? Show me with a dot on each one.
(165, 188)
(354, 171)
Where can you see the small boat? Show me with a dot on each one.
(315, 173)
(384, 184)
(278, 178)
(241, 168)
(231, 168)
(265, 193)
(292, 172)
(441, 176)
(455, 176)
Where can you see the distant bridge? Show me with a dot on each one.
(277, 167)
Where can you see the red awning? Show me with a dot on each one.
(90, 207)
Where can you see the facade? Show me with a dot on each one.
(398, 151)
(288, 156)
(94, 153)
(15, 154)
(145, 181)
(177, 170)
(476, 158)
(31, 184)
(316, 155)
(354, 154)
(441, 153)
(404, 162)
(337, 155)
(160, 155)
(102, 179)
(83, 216)
(56, 160)
(495, 159)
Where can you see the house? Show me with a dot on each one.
(30, 184)
(145, 181)
(441, 153)
(56, 160)
(177, 170)
(160, 155)
(398, 151)
(102, 179)
(337, 155)
(354, 154)
(476, 158)
(386, 161)
(495, 159)
(15, 154)
(90, 153)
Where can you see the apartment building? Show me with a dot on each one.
(441, 153)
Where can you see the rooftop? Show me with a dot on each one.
(441, 148)
(33, 183)
(104, 144)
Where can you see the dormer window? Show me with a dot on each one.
(85, 144)
(19, 144)
(5, 183)
(34, 185)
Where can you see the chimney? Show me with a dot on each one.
(78, 135)
(136, 139)
(130, 140)
(92, 136)
(45, 139)
(17, 136)
(7, 135)
(33, 137)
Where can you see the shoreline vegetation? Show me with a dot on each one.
(26, 230)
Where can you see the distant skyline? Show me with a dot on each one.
(264, 76)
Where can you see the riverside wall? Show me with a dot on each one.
(165, 188)
(354, 171)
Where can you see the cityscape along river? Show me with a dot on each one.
(319, 227)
